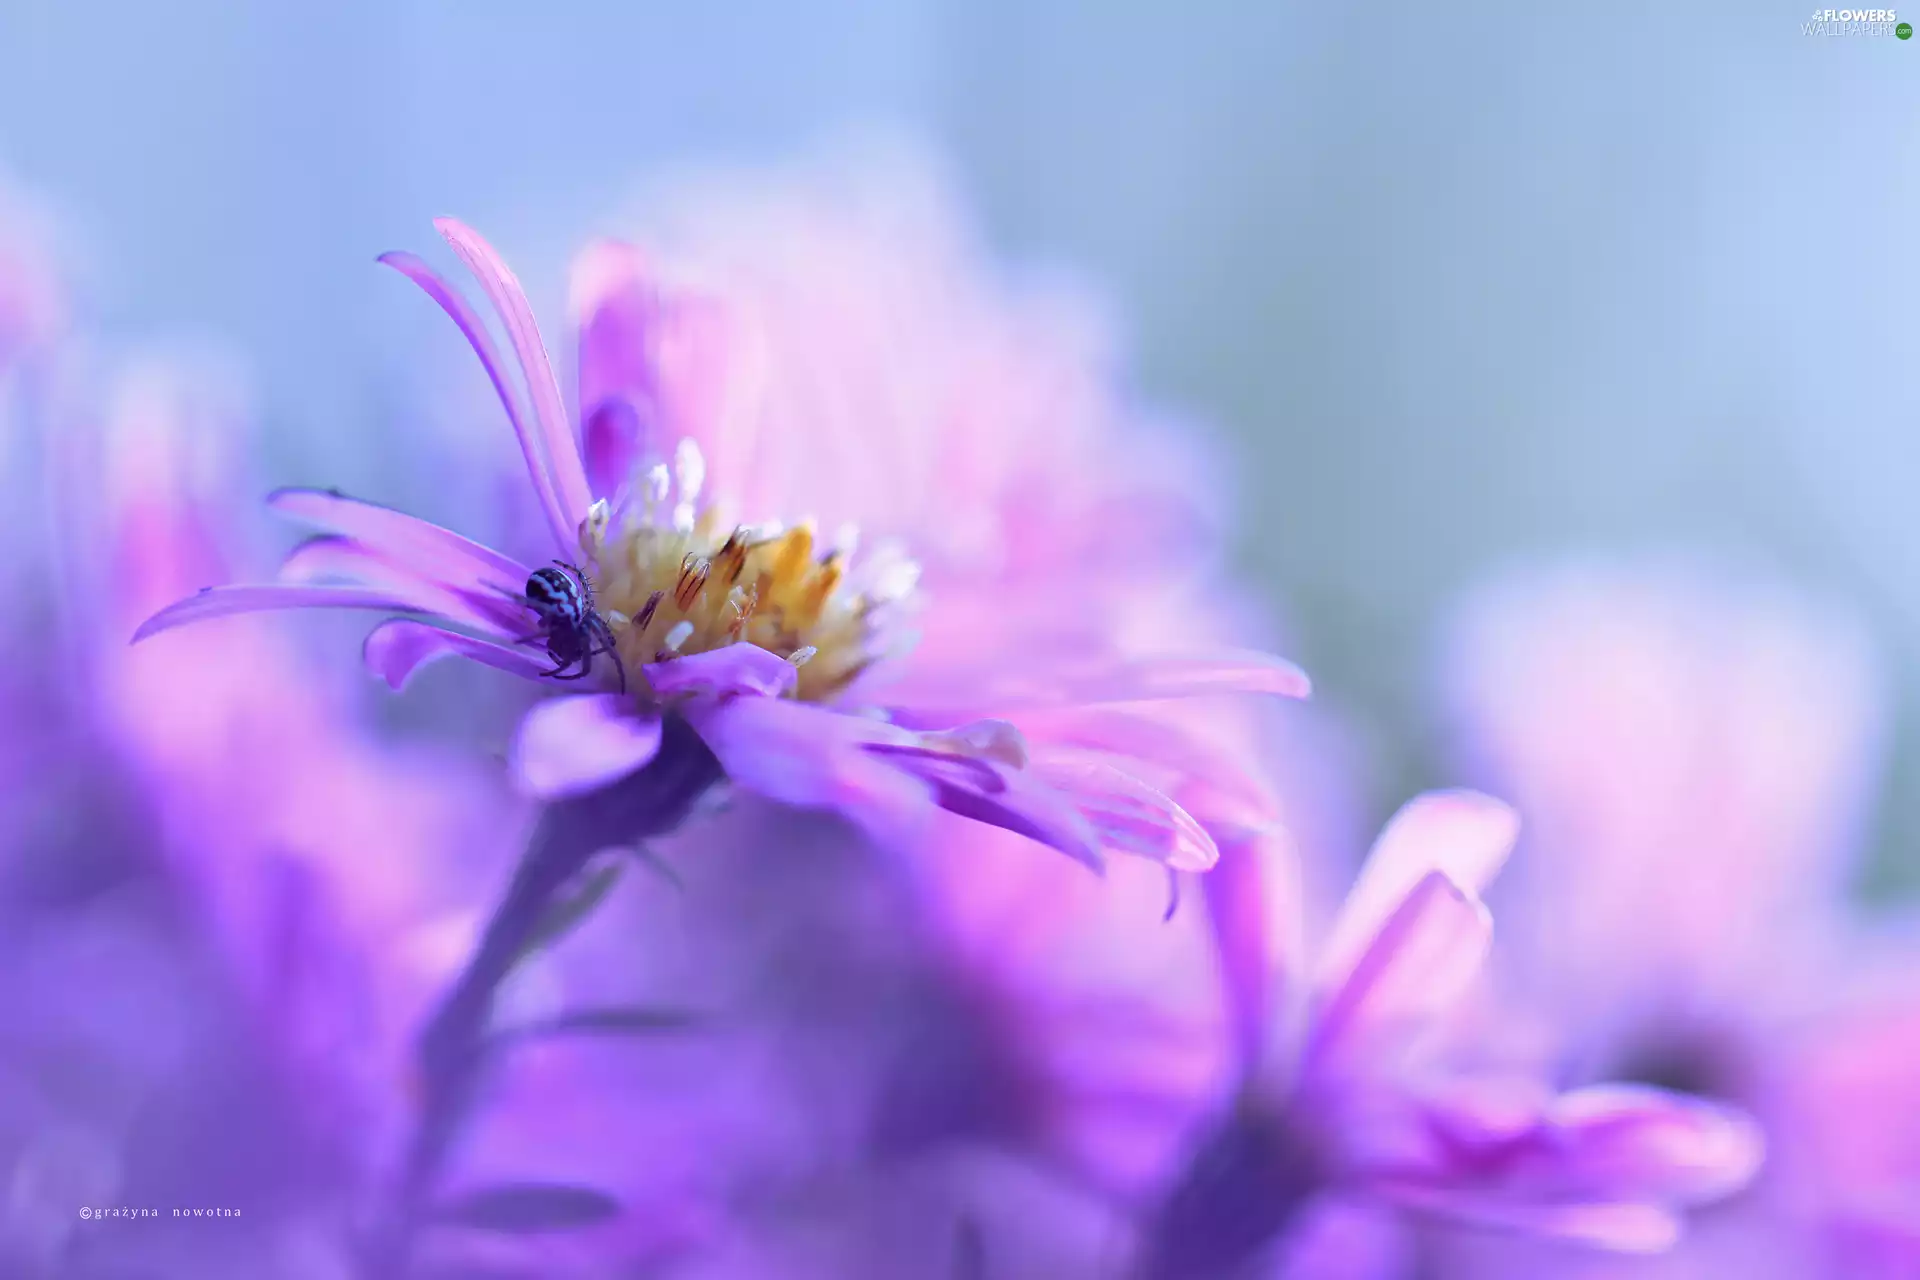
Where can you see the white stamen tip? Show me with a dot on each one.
(683, 518)
(801, 656)
(659, 481)
(678, 634)
(847, 540)
(593, 529)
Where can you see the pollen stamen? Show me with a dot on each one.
(709, 582)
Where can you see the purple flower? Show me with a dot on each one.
(1695, 755)
(758, 637)
(1346, 1115)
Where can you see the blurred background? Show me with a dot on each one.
(1460, 285)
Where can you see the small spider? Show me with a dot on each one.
(570, 623)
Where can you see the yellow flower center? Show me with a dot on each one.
(673, 580)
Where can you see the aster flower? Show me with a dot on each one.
(720, 653)
(1346, 1119)
(1696, 753)
(754, 637)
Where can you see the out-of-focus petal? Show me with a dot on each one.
(611, 442)
(1462, 834)
(1631, 1140)
(543, 389)
(219, 602)
(567, 746)
(737, 669)
(655, 350)
(399, 647)
(1254, 909)
(1415, 965)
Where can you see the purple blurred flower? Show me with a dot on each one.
(1695, 757)
(748, 634)
(1346, 1115)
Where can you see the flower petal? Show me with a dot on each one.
(1416, 964)
(567, 746)
(1607, 1164)
(1462, 834)
(663, 351)
(398, 647)
(808, 757)
(475, 329)
(1254, 907)
(1211, 782)
(543, 389)
(735, 669)
(612, 438)
(220, 602)
(1129, 815)
(340, 560)
(425, 547)
(999, 795)
(1633, 1140)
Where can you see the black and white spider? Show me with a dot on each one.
(562, 598)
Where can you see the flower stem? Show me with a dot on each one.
(453, 1048)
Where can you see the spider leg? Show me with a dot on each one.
(606, 643)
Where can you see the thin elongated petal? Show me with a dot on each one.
(735, 669)
(568, 746)
(1462, 834)
(342, 561)
(220, 602)
(1415, 965)
(399, 647)
(543, 388)
(427, 548)
(475, 329)
(1129, 815)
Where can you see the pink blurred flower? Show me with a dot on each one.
(1695, 757)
